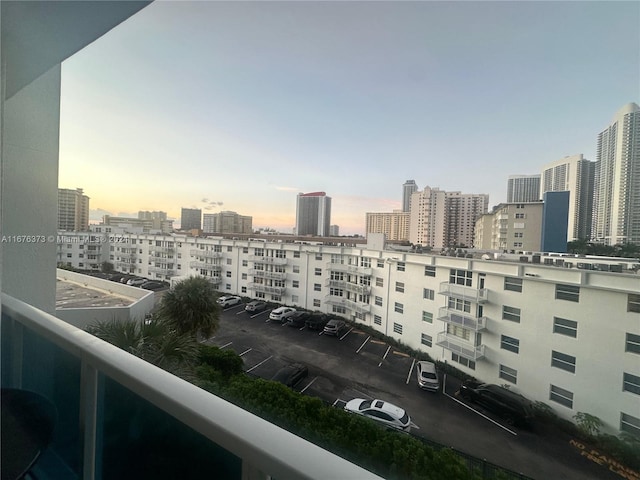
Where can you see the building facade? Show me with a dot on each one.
(190, 219)
(227, 222)
(576, 175)
(136, 225)
(510, 227)
(523, 188)
(485, 316)
(394, 225)
(73, 210)
(313, 214)
(408, 188)
(616, 205)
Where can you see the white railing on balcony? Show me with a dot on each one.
(205, 266)
(265, 450)
(266, 274)
(357, 306)
(162, 270)
(335, 300)
(475, 295)
(158, 250)
(268, 260)
(462, 319)
(343, 267)
(259, 287)
(460, 346)
(205, 254)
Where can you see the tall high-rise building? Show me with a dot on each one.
(227, 222)
(408, 188)
(313, 214)
(574, 174)
(616, 203)
(73, 210)
(442, 219)
(191, 219)
(523, 188)
(394, 225)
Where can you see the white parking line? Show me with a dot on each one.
(225, 345)
(260, 313)
(302, 391)
(321, 332)
(303, 328)
(481, 414)
(363, 344)
(256, 366)
(346, 333)
(385, 355)
(411, 370)
(241, 311)
(246, 351)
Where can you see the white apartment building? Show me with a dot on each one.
(616, 208)
(564, 331)
(510, 227)
(395, 225)
(574, 174)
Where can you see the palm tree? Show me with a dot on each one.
(190, 306)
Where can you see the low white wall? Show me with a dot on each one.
(143, 301)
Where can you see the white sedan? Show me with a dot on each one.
(228, 301)
(381, 411)
(280, 314)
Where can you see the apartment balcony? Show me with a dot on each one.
(259, 287)
(269, 275)
(121, 417)
(475, 295)
(162, 270)
(161, 250)
(460, 346)
(267, 260)
(343, 267)
(357, 306)
(462, 319)
(205, 266)
(335, 300)
(349, 287)
(205, 254)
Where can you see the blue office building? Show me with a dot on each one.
(555, 219)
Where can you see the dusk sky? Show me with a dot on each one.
(240, 106)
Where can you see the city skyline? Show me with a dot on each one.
(239, 107)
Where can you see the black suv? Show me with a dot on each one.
(297, 319)
(317, 321)
(513, 407)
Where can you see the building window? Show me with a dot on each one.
(510, 343)
(460, 277)
(629, 424)
(518, 235)
(561, 396)
(520, 215)
(245, 249)
(567, 292)
(228, 274)
(563, 361)
(398, 307)
(243, 289)
(296, 269)
(229, 249)
(397, 328)
(245, 263)
(428, 294)
(633, 303)
(227, 286)
(508, 374)
(244, 276)
(295, 283)
(400, 266)
(365, 262)
(317, 272)
(463, 361)
(296, 254)
(377, 319)
(632, 343)
(565, 327)
(294, 299)
(379, 282)
(259, 294)
(511, 313)
(336, 292)
(427, 317)
(216, 248)
(339, 309)
(276, 298)
(317, 287)
(426, 340)
(280, 254)
(318, 256)
(380, 263)
(458, 304)
(517, 245)
(631, 383)
(378, 301)
(513, 284)
(316, 302)
(229, 261)
(429, 271)
(400, 287)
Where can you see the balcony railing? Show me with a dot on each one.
(343, 267)
(205, 254)
(259, 287)
(357, 306)
(206, 266)
(265, 274)
(462, 319)
(89, 381)
(460, 346)
(335, 300)
(268, 260)
(162, 270)
(348, 286)
(475, 295)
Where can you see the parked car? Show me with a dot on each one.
(280, 314)
(513, 407)
(228, 301)
(427, 376)
(116, 277)
(380, 411)
(291, 374)
(297, 319)
(136, 281)
(153, 285)
(317, 321)
(334, 327)
(255, 306)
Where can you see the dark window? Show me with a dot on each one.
(565, 327)
(513, 284)
(570, 293)
(563, 361)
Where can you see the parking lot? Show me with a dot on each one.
(355, 365)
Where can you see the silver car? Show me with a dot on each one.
(380, 411)
(334, 327)
(427, 376)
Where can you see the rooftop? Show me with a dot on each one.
(74, 295)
